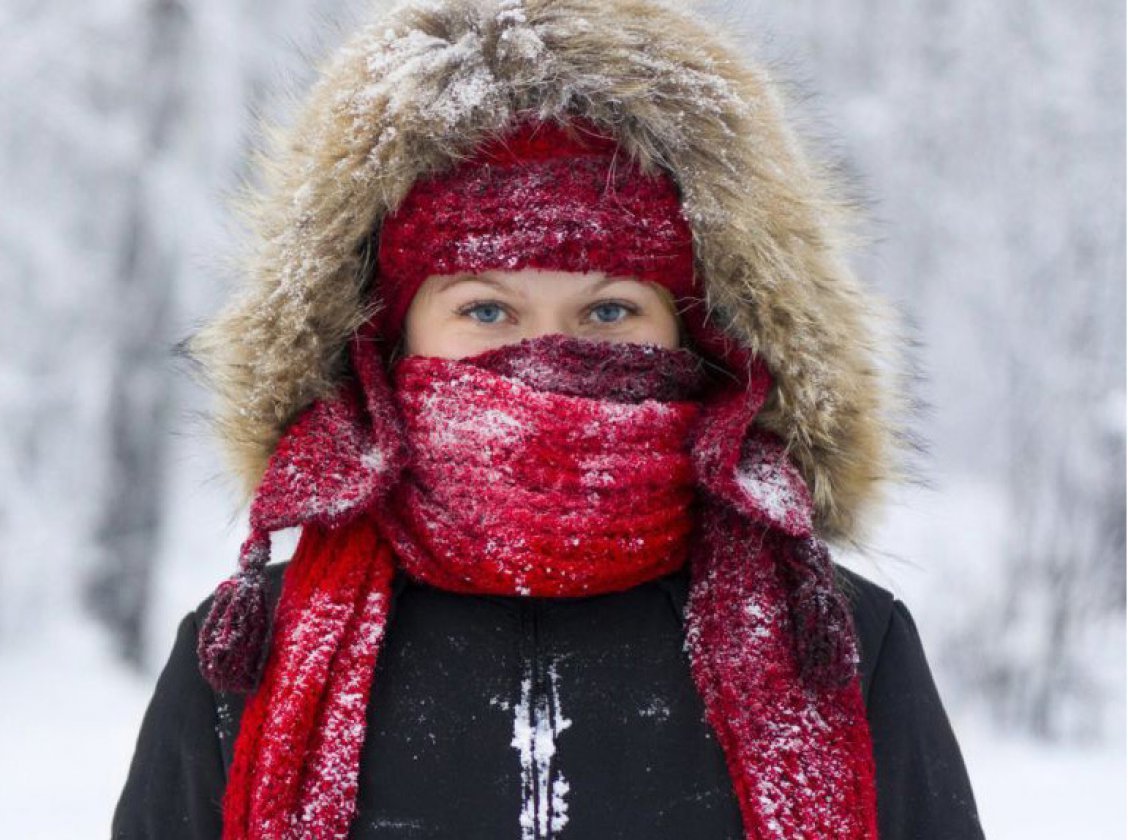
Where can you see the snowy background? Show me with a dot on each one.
(988, 140)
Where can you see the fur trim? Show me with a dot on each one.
(421, 86)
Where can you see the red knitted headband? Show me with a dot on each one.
(542, 196)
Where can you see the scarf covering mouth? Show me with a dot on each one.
(558, 467)
(546, 468)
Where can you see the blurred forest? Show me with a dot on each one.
(987, 139)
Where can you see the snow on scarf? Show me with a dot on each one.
(552, 467)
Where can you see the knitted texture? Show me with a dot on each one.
(542, 196)
(798, 751)
(336, 459)
(294, 774)
(233, 640)
(550, 467)
(522, 488)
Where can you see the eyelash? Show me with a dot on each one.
(631, 309)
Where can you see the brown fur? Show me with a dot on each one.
(771, 226)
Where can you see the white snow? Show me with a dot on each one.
(537, 721)
(69, 723)
(1030, 791)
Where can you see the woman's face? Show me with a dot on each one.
(452, 316)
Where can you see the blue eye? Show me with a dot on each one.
(484, 313)
(610, 313)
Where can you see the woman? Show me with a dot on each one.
(552, 353)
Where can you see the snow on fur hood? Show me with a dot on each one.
(422, 84)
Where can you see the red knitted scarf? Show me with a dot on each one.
(558, 467)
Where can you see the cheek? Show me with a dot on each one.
(459, 342)
(424, 332)
(430, 332)
(659, 327)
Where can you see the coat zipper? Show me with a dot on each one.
(537, 724)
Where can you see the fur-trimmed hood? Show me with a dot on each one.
(423, 84)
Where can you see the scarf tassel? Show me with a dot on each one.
(232, 643)
(824, 629)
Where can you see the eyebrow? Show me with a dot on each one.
(461, 278)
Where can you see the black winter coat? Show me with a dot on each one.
(608, 673)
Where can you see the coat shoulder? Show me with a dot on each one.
(872, 608)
